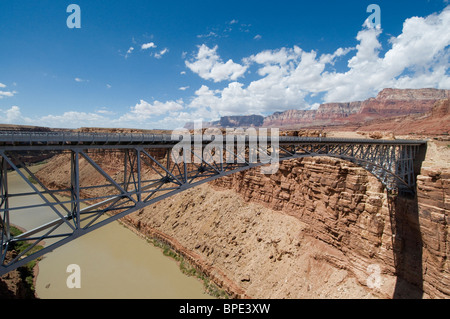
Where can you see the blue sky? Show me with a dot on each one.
(159, 64)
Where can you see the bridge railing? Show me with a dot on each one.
(80, 137)
(91, 137)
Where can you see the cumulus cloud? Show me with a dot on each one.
(149, 45)
(208, 65)
(13, 115)
(144, 110)
(6, 93)
(418, 57)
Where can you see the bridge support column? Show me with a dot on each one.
(4, 204)
(139, 186)
(75, 188)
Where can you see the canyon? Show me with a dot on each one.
(320, 227)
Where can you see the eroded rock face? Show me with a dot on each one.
(290, 117)
(413, 94)
(434, 207)
(345, 207)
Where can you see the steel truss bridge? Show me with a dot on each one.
(151, 170)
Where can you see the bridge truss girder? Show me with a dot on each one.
(146, 178)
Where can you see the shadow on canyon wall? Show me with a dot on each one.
(407, 241)
(407, 248)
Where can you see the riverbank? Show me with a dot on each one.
(187, 262)
(21, 282)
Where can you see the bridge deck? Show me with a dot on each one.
(58, 140)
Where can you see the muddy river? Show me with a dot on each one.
(113, 261)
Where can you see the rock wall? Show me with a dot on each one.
(345, 207)
(290, 117)
(434, 207)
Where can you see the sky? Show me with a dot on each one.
(160, 64)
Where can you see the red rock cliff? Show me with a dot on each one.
(388, 103)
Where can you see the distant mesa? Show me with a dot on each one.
(389, 104)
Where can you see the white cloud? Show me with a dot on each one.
(130, 50)
(211, 34)
(208, 65)
(257, 37)
(105, 111)
(6, 93)
(13, 116)
(161, 53)
(418, 57)
(149, 45)
(144, 110)
(80, 80)
(184, 88)
(73, 119)
(274, 57)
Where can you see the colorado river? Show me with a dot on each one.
(114, 262)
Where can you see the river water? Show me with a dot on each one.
(114, 262)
